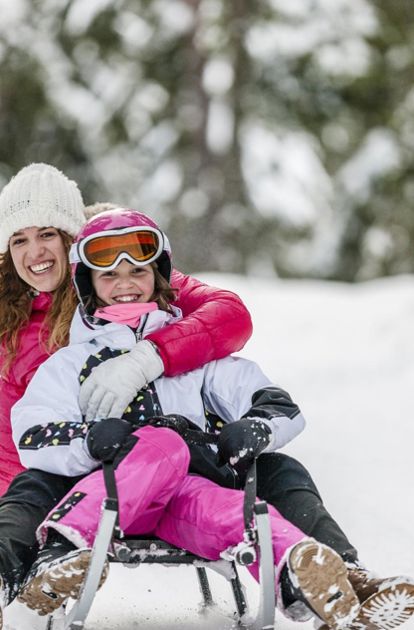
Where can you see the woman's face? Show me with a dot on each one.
(125, 284)
(39, 257)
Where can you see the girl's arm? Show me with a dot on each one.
(236, 388)
(48, 429)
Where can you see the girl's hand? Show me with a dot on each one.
(105, 438)
(111, 386)
(240, 442)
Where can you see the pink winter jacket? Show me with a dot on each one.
(216, 324)
(13, 385)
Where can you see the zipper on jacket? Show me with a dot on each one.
(140, 330)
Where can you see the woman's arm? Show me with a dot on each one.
(216, 323)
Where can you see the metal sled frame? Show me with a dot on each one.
(110, 543)
(134, 551)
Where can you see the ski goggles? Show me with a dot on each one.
(105, 250)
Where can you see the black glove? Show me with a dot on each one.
(105, 438)
(240, 442)
(171, 421)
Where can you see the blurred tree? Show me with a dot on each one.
(32, 128)
(376, 184)
(275, 136)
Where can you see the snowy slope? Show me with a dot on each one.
(346, 354)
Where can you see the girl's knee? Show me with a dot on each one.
(175, 444)
(167, 443)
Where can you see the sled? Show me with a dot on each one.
(134, 551)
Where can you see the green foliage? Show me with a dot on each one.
(264, 136)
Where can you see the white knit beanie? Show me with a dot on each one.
(40, 196)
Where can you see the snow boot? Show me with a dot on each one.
(57, 574)
(385, 603)
(317, 577)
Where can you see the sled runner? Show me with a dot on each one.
(135, 551)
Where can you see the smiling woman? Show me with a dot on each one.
(41, 210)
(39, 257)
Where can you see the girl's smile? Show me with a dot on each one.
(125, 284)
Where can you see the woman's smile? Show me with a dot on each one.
(42, 267)
(39, 257)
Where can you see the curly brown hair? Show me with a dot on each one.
(15, 309)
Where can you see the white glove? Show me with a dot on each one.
(111, 386)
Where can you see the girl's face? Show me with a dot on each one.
(39, 257)
(125, 283)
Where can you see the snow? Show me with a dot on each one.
(81, 15)
(218, 75)
(346, 354)
(378, 156)
(285, 175)
(302, 29)
(220, 126)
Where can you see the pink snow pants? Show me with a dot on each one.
(158, 497)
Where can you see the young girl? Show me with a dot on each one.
(121, 270)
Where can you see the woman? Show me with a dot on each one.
(36, 299)
(122, 269)
(37, 303)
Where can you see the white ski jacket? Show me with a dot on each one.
(48, 427)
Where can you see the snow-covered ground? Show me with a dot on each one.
(346, 354)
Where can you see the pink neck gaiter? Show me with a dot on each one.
(128, 313)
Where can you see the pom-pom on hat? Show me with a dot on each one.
(40, 196)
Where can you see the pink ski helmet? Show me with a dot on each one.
(120, 225)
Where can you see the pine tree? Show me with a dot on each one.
(263, 136)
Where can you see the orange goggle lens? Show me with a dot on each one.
(103, 251)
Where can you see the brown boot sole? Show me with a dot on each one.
(387, 609)
(47, 591)
(322, 577)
